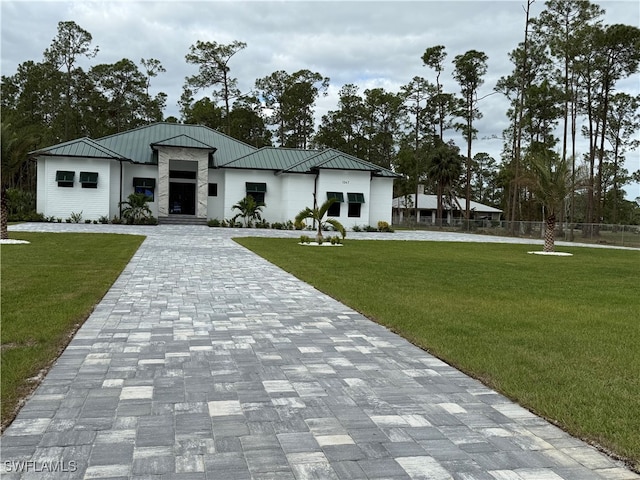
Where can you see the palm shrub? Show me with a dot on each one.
(317, 214)
(551, 182)
(136, 209)
(249, 210)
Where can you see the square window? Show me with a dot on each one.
(354, 209)
(89, 179)
(146, 191)
(257, 196)
(334, 210)
(64, 178)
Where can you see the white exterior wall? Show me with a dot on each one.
(61, 202)
(215, 205)
(297, 193)
(380, 201)
(129, 171)
(235, 189)
(347, 181)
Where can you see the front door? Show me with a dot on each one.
(182, 198)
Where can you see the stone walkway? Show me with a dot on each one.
(205, 361)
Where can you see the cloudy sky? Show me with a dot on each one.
(368, 43)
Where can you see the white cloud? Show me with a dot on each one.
(369, 43)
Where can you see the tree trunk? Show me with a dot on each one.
(4, 233)
(549, 233)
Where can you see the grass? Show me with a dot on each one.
(49, 287)
(559, 335)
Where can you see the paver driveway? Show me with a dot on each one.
(205, 361)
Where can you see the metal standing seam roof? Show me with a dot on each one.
(82, 147)
(135, 144)
(270, 158)
(183, 141)
(337, 160)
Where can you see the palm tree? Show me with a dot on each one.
(445, 169)
(551, 182)
(317, 215)
(249, 209)
(136, 208)
(15, 147)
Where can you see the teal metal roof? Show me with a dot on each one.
(271, 158)
(82, 147)
(137, 145)
(332, 159)
(134, 144)
(183, 141)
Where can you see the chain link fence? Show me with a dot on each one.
(596, 233)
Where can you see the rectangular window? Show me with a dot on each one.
(355, 204)
(334, 209)
(89, 179)
(65, 178)
(213, 189)
(257, 191)
(146, 186)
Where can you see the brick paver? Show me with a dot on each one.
(205, 361)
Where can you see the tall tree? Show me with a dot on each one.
(434, 57)
(418, 94)
(291, 101)
(213, 59)
(445, 169)
(469, 70)
(623, 125)
(15, 146)
(151, 68)
(561, 26)
(71, 42)
(343, 128)
(384, 113)
(123, 89)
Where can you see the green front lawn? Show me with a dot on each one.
(560, 335)
(49, 287)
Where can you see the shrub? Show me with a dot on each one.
(213, 222)
(116, 220)
(87, 221)
(369, 228)
(305, 239)
(384, 227)
(74, 218)
(103, 219)
(356, 228)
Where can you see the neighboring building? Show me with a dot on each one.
(404, 210)
(195, 172)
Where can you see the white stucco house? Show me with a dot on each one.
(404, 209)
(197, 173)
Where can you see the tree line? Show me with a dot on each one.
(564, 78)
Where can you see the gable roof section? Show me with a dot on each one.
(183, 141)
(82, 147)
(134, 144)
(271, 158)
(332, 159)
